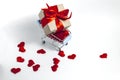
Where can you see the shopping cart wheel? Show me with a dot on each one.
(59, 49)
(43, 42)
(66, 44)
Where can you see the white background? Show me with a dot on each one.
(95, 30)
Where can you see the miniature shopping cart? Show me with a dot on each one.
(58, 39)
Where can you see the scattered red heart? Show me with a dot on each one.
(30, 63)
(15, 70)
(41, 51)
(72, 56)
(104, 55)
(22, 49)
(56, 61)
(20, 59)
(21, 44)
(61, 53)
(36, 67)
(54, 68)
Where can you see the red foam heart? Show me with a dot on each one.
(72, 56)
(36, 67)
(30, 63)
(20, 59)
(41, 51)
(61, 53)
(21, 44)
(22, 49)
(104, 55)
(54, 68)
(15, 70)
(56, 60)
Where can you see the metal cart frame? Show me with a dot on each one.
(55, 41)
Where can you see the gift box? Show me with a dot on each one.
(54, 18)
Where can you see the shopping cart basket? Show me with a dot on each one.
(58, 40)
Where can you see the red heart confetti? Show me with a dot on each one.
(54, 68)
(20, 59)
(41, 51)
(21, 44)
(22, 49)
(36, 67)
(15, 70)
(61, 53)
(72, 56)
(56, 61)
(104, 55)
(30, 63)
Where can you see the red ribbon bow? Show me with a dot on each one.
(52, 13)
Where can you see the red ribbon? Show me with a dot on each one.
(52, 13)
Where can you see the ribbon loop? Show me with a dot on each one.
(52, 13)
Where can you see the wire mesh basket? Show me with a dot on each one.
(55, 40)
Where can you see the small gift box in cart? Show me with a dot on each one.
(54, 21)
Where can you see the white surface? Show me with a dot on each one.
(95, 30)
